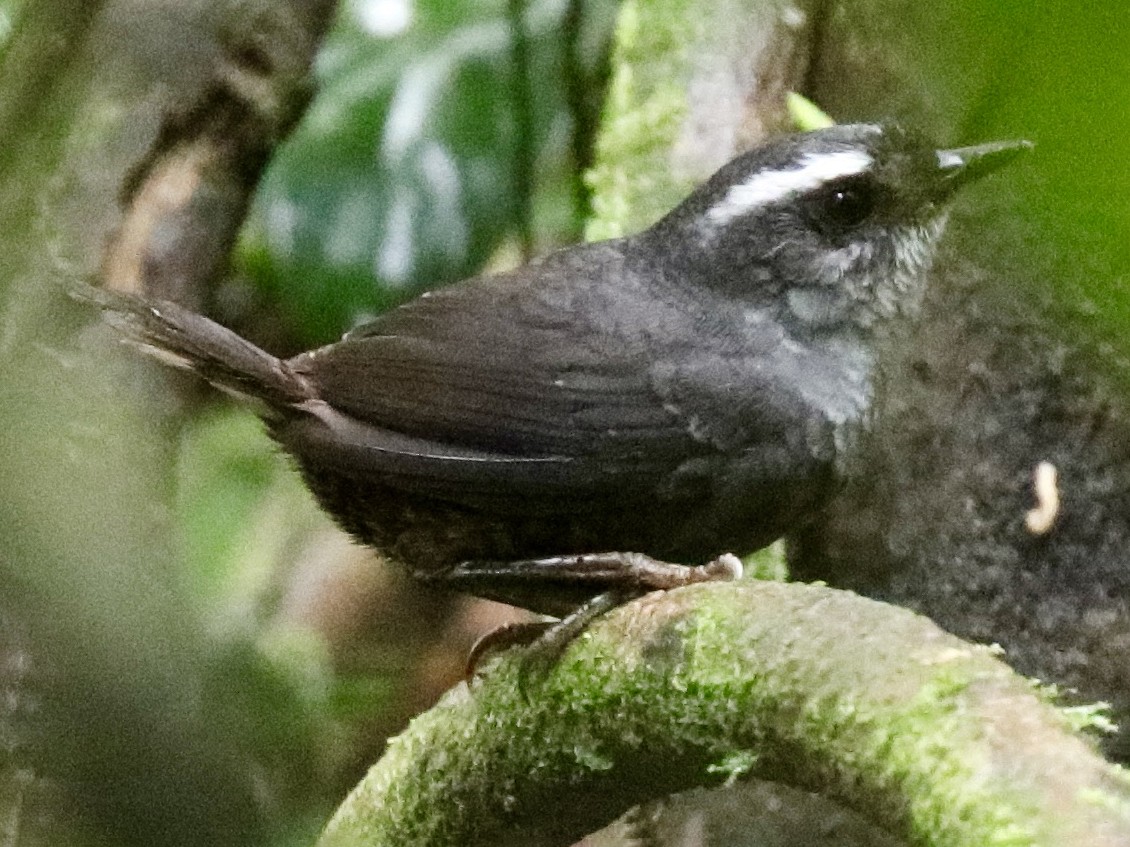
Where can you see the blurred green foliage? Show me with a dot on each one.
(1059, 223)
(9, 9)
(241, 510)
(1062, 71)
(407, 170)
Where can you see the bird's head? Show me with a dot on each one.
(829, 227)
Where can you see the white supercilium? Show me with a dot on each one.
(766, 187)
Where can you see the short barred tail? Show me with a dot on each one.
(184, 339)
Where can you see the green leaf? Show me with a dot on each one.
(403, 174)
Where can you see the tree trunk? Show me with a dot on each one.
(134, 133)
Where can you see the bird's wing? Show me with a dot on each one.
(513, 397)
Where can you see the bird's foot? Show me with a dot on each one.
(557, 585)
(577, 589)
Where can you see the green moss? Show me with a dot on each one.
(1090, 717)
(631, 181)
(1105, 800)
(807, 685)
(734, 765)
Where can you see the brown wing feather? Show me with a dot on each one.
(508, 397)
(499, 374)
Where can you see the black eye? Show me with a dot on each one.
(844, 204)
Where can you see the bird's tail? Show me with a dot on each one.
(184, 339)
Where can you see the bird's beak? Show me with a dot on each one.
(963, 165)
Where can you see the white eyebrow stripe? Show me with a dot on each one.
(761, 189)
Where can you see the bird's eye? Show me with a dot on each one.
(845, 203)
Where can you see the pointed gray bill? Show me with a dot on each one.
(963, 165)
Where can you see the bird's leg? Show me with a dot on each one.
(552, 643)
(557, 585)
(502, 638)
(632, 572)
(577, 589)
(546, 640)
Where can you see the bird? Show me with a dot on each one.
(618, 416)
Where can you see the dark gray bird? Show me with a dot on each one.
(681, 393)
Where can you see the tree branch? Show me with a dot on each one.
(871, 705)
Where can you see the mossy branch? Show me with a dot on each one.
(932, 738)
